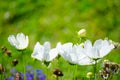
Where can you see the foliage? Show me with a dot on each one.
(59, 20)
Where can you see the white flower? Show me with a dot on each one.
(77, 54)
(100, 49)
(20, 41)
(91, 53)
(66, 51)
(44, 52)
(73, 54)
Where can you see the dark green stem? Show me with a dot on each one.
(1, 76)
(57, 78)
(2, 57)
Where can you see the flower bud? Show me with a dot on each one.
(57, 72)
(4, 49)
(106, 60)
(14, 62)
(8, 53)
(89, 75)
(82, 33)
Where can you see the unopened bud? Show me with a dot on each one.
(8, 53)
(89, 75)
(4, 49)
(105, 60)
(82, 33)
(14, 62)
(58, 72)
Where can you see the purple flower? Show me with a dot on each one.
(19, 76)
(29, 76)
(29, 69)
(38, 71)
(40, 75)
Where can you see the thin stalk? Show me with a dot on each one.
(23, 59)
(75, 72)
(2, 64)
(1, 76)
(95, 69)
(57, 78)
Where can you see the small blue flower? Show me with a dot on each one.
(38, 71)
(40, 75)
(29, 76)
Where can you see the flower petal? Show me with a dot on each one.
(106, 48)
(52, 54)
(38, 52)
(12, 40)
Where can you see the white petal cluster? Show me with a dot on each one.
(99, 49)
(44, 52)
(20, 41)
(76, 54)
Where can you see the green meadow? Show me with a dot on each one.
(58, 21)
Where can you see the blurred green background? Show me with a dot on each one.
(60, 20)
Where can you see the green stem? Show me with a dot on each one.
(57, 78)
(1, 76)
(2, 57)
(75, 72)
(95, 69)
(23, 59)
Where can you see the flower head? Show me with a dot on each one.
(99, 49)
(29, 76)
(20, 41)
(40, 75)
(73, 53)
(44, 52)
(85, 54)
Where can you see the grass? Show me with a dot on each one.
(58, 21)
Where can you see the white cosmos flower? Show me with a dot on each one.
(99, 49)
(82, 59)
(44, 52)
(73, 54)
(20, 41)
(90, 52)
(66, 51)
(85, 55)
